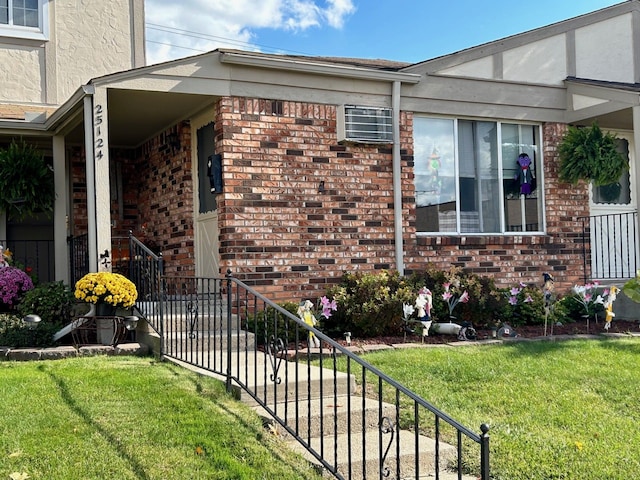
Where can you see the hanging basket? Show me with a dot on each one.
(589, 154)
(26, 182)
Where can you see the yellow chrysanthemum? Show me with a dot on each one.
(111, 288)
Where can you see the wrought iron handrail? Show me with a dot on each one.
(610, 245)
(263, 352)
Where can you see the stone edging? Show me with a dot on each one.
(55, 353)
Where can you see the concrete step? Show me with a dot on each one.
(206, 340)
(315, 417)
(273, 387)
(366, 451)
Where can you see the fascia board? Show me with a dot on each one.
(317, 68)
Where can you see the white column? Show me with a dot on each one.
(102, 185)
(60, 211)
(636, 159)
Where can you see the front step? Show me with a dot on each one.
(316, 417)
(365, 452)
(291, 382)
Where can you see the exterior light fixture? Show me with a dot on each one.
(131, 322)
(32, 321)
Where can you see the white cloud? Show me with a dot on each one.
(179, 29)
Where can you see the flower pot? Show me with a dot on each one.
(105, 310)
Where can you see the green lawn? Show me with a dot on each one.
(557, 410)
(130, 418)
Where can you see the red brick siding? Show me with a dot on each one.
(278, 232)
(165, 199)
(157, 204)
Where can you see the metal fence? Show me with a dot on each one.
(345, 414)
(613, 240)
(34, 256)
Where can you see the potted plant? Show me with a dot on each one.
(632, 288)
(106, 289)
(589, 154)
(26, 182)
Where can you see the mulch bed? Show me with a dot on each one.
(529, 331)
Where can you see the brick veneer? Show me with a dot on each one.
(281, 234)
(284, 234)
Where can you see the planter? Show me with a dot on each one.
(105, 310)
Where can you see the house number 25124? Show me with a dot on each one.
(98, 140)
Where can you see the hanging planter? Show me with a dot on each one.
(589, 154)
(26, 182)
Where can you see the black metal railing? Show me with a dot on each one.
(366, 424)
(613, 242)
(78, 256)
(145, 271)
(34, 256)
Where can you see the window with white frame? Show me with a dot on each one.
(476, 176)
(24, 19)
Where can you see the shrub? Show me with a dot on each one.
(370, 304)
(271, 322)
(53, 302)
(14, 333)
(484, 298)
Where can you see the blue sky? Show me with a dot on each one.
(404, 30)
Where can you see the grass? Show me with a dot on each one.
(557, 410)
(130, 418)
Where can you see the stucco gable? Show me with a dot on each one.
(597, 45)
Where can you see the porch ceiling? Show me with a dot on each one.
(608, 103)
(136, 115)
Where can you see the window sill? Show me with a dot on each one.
(535, 238)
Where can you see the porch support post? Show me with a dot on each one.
(102, 184)
(60, 212)
(397, 179)
(636, 159)
(98, 195)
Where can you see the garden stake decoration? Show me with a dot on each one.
(547, 289)
(305, 312)
(424, 302)
(608, 306)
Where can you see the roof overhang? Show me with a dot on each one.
(608, 103)
(316, 68)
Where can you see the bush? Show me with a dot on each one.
(369, 304)
(271, 322)
(484, 298)
(53, 302)
(14, 333)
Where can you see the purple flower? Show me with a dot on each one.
(514, 291)
(513, 300)
(13, 282)
(528, 299)
(328, 306)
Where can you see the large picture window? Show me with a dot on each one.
(24, 19)
(476, 176)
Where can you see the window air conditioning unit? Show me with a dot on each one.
(364, 124)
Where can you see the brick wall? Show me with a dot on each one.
(155, 202)
(165, 199)
(280, 234)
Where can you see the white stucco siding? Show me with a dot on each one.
(544, 62)
(480, 68)
(604, 51)
(93, 39)
(23, 82)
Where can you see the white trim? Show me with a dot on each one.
(30, 33)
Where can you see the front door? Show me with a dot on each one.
(206, 225)
(613, 222)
